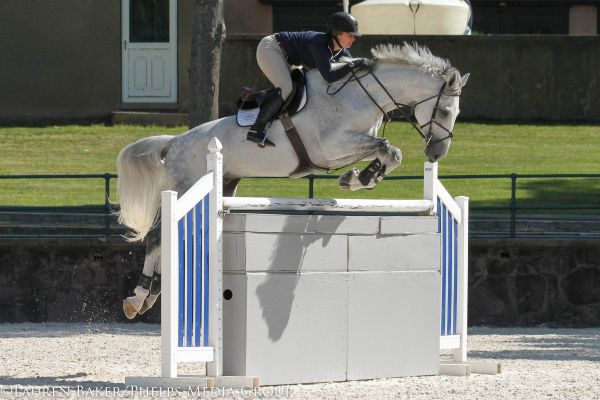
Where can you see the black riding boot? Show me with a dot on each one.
(268, 110)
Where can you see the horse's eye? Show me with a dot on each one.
(445, 111)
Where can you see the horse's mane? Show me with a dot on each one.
(411, 54)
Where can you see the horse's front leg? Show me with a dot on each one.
(148, 288)
(387, 158)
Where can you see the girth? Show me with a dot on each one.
(305, 164)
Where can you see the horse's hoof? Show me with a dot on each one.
(148, 303)
(347, 179)
(129, 308)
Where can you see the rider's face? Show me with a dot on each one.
(346, 39)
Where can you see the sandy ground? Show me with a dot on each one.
(91, 361)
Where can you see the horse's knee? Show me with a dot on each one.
(396, 155)
(391, 156)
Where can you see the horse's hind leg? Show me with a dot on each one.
(148, 288)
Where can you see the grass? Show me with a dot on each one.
(476, 149)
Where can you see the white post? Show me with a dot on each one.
(430, 177)
(169, 262)
(214, 163)
(460, 354)
(346, 5)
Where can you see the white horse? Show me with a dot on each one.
(336, 129)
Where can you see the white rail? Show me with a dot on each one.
(298, 204)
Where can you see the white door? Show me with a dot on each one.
(149, 51)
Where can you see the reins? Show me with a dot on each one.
(407, 111)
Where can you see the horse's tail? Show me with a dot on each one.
(141, 179)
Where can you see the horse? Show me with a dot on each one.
(338, 126)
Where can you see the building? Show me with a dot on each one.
(85, 60)
(559, 17)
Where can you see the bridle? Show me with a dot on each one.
(407, 111)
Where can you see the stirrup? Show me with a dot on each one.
(261, 140)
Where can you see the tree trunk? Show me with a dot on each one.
(208, 34)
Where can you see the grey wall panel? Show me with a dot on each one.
(281, 252)
(234, 254)
(234, 336)
(407, 225)
(326, 224)
(393, 324)
(297, 327)
(394, 253)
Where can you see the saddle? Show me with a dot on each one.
(250, 100)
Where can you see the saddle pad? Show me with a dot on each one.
(248, 116)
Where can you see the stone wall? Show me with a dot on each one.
(67, 280)
(512, 282)
(524, 282)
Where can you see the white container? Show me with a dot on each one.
(412, 17)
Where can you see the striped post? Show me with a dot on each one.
(453, 219)
(215, 258)
(191, 266)
(191, 271)
(460, 354)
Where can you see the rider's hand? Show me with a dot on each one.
(362, 63)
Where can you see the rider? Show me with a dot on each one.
(277, 53)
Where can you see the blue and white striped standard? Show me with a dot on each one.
(193, 276)
(448, 227)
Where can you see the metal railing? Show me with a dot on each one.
(513, 207)
(107, 209)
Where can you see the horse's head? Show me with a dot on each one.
(428, 98)
(437, 115)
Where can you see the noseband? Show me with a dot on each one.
(407, 111)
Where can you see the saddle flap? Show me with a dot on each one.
(297, 100)
(251, 98)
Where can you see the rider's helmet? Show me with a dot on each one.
(342, 22)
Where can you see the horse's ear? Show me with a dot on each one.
(464, 79)
(454, 79)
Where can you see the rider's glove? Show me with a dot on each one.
(362, 63)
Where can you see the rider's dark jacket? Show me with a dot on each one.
(313, 50)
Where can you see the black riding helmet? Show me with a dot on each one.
(342, 22)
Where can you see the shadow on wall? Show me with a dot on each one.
(276, 292)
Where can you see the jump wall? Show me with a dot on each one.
(330, 298)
